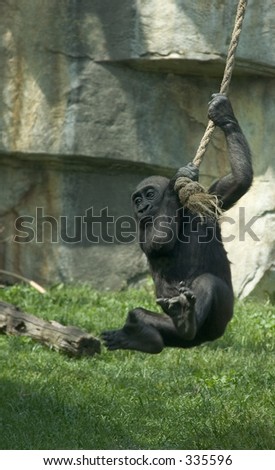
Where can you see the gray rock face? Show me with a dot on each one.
(97, 95)
(248, 231)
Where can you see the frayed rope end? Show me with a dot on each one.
(194, 197)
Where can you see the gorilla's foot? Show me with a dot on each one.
(139, 337)
(181, 309)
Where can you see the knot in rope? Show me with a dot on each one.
(194, 196)
(187, 188)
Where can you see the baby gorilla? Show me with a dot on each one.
(186, 256)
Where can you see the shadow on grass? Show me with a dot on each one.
(49, 418)
(31, 418)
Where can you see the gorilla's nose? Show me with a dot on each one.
(144, 208)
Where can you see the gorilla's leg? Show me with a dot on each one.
(213, 307)
(201, 312)
(207, 307)
(181, 309)
(141, 332)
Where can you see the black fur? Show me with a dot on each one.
(186, 256)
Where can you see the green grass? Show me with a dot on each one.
(217, 396)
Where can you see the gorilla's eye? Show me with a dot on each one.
(150, 194)
(137, 201)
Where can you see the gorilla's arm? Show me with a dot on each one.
(231, 187)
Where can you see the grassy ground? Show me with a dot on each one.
(217, 396)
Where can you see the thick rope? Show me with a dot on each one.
(191, 194)
(226, 77)
(195, 197)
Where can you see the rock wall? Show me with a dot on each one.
(96, 95)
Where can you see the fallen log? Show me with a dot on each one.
(68, 339)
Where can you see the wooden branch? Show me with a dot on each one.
(25, 279)
(68, 339)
